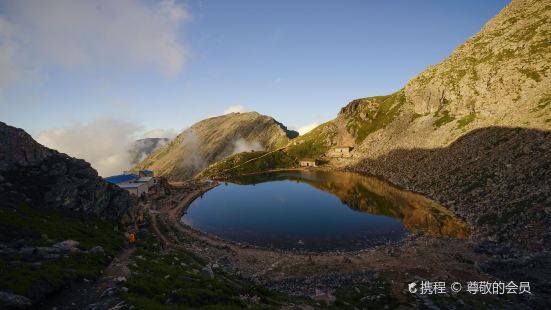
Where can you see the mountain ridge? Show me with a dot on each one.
(213, 139)
(501, 76)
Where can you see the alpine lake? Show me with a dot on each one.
(318, 211)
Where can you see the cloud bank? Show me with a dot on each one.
(241, 145)
(306, 128)
(160, 133)
(235, 109)
(104, 143)
(90, 34)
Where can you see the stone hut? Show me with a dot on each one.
(340, 151)
(308, 162)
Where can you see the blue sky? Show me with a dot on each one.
(89, 77)
(298, 61)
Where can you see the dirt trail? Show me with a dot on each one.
(253, 159)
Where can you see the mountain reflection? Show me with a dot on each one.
(369, 194)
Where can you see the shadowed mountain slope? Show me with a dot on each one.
(497, 178)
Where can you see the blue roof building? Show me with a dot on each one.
(146, 173)
(116, 179)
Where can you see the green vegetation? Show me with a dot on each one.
(311, 145)
(28, 279)
(415, 116)
(540, 47)
(462, 259)
(379, 111)
(174, 280)
(534, 75)
(212, 139)
(542, 103)
(465, 120)
(235, 165)
(354, 296)
(44, 228)
(445, 118)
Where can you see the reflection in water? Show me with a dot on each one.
(317, 211)
(418, 213)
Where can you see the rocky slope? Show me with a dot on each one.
(43, 178)
(56, 220)
(470, 132)
(213, 139)
(499, 77)
(497, 178)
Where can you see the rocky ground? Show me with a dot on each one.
(369, 278)
(498, 179)
(175, 266)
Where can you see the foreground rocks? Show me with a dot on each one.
(14, 301)
(43, 178)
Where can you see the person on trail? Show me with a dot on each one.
(131, 238)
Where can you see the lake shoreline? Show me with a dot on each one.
(414, 258)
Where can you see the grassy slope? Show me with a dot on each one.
(40, 228)
(377, 112)
(214, 139)
(173, 280)
(380, 111)
(312, 144)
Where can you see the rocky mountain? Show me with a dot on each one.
(57, 220)
(143, 147)
(501, 76)
(216, 138)
(44, 178)
(471, 132)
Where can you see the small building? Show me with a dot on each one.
(308, 162)
(137, 189)
(136, 183)
(340, 151)
(146, 173)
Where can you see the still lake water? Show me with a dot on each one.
(317, 211)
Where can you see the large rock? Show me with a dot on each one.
(14, 301)
(45, 178)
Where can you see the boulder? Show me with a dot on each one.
(14, 301)
(207, 271)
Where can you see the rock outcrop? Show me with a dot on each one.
(501, 76)
(43, 178)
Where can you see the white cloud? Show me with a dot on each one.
(306, 128)
(241, 145)
(104, 143)
(90, 34)
(160, 133)
(235, 109)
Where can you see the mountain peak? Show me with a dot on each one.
(215, 138)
